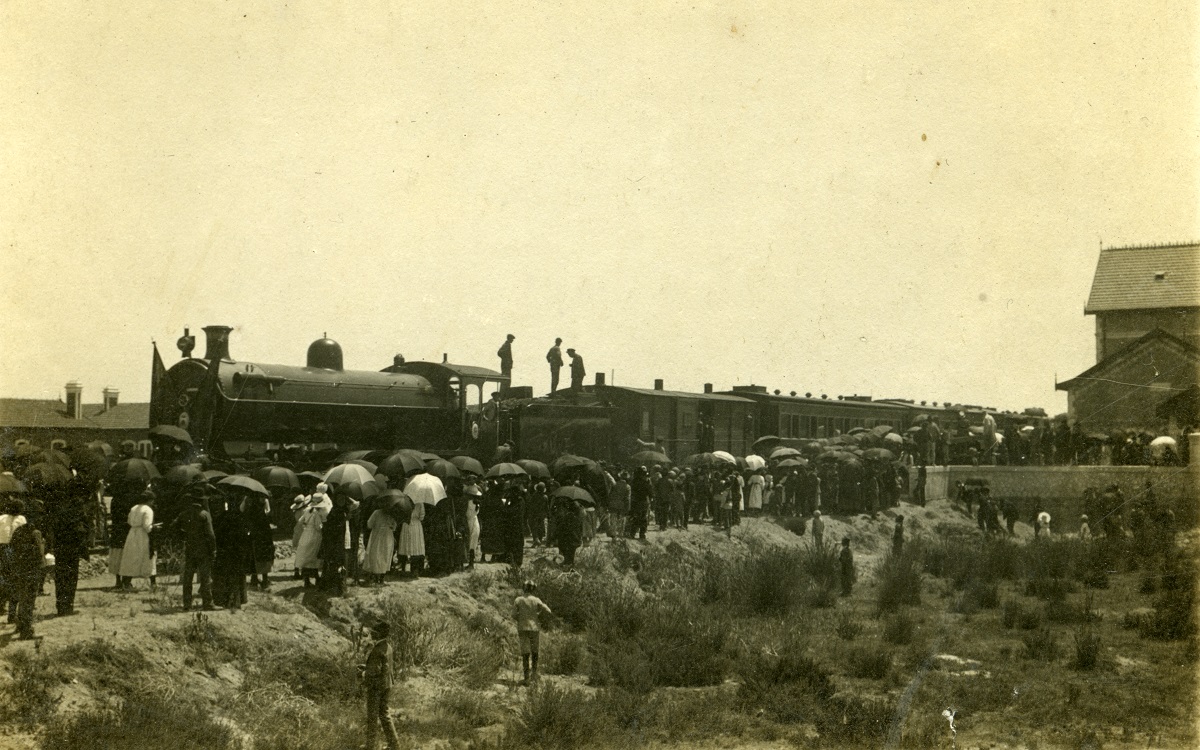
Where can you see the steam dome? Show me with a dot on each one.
(325, 354)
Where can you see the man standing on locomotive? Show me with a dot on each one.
(555, 358)
(505, 355)
(577, 372)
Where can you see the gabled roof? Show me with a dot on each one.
(32, 412)
(1123, 353)
(1138, 278)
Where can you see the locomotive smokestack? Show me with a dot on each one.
(216, 342)
(658, 384)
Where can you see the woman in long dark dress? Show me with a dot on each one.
(262, 549)
(491, 511)
(234, 558)
(567, 516)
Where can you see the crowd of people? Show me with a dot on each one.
(1039, 442)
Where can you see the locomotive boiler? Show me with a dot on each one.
(231, 407)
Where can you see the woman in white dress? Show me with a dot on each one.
(412, 540)
(311, 521)
(472, 492)
(381, 544)
(754, 502)
(137, 559)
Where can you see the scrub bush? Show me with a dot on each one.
(871, 662)
(898, 629)
(141, 721)
(899, 581)
(848, 627)
(1042, 645)
(1087, 649)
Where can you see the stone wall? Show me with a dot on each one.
(1059, 489)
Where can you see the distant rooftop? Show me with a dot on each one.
(30, 412)
(1146, 277)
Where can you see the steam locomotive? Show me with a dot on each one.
(237, 410)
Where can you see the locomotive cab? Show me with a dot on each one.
(470, 400)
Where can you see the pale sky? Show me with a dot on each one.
(902, 199)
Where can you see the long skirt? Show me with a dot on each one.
(380, 548)
(472, 535)
(136, 560)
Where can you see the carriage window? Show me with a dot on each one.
(645, 432)
(145, 448)
(474, 398)
(453, 393)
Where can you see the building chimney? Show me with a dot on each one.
(708, 388)
(445, 358)
(599, 378)
(110, 398)
(216, 342)
(74, 400)
(658, 384)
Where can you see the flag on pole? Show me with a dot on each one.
(158, 372)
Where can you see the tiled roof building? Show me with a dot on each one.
(1147, 306)
(41, 422)
(1138, 289)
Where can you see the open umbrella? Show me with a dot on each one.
(214, 474)
(310, 478)
(914, 429)
(793, 462)
(183, 474)
(400, 464)
(369, 455)
(101, 447)
(10, 485)
(881, 454)
(132, 470)
(701, 460)
(649, 458)
(245, 483)
(54, 455)
(725, 456)
(779, 453)
(534, 468)
(360, 490)
(765, 443)
(47, 474)
(363, 463)
(578, 494)
(89, 465)
(277, 476)
(568, 461)
(1163, 440)
(396, 503)
(755, 462)
(880, 430)
(442, 469)
(920, 418)
(506, 469)
(426, 488)
(893, 438)
(468, 465)
(347, 473)
(171, 432)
